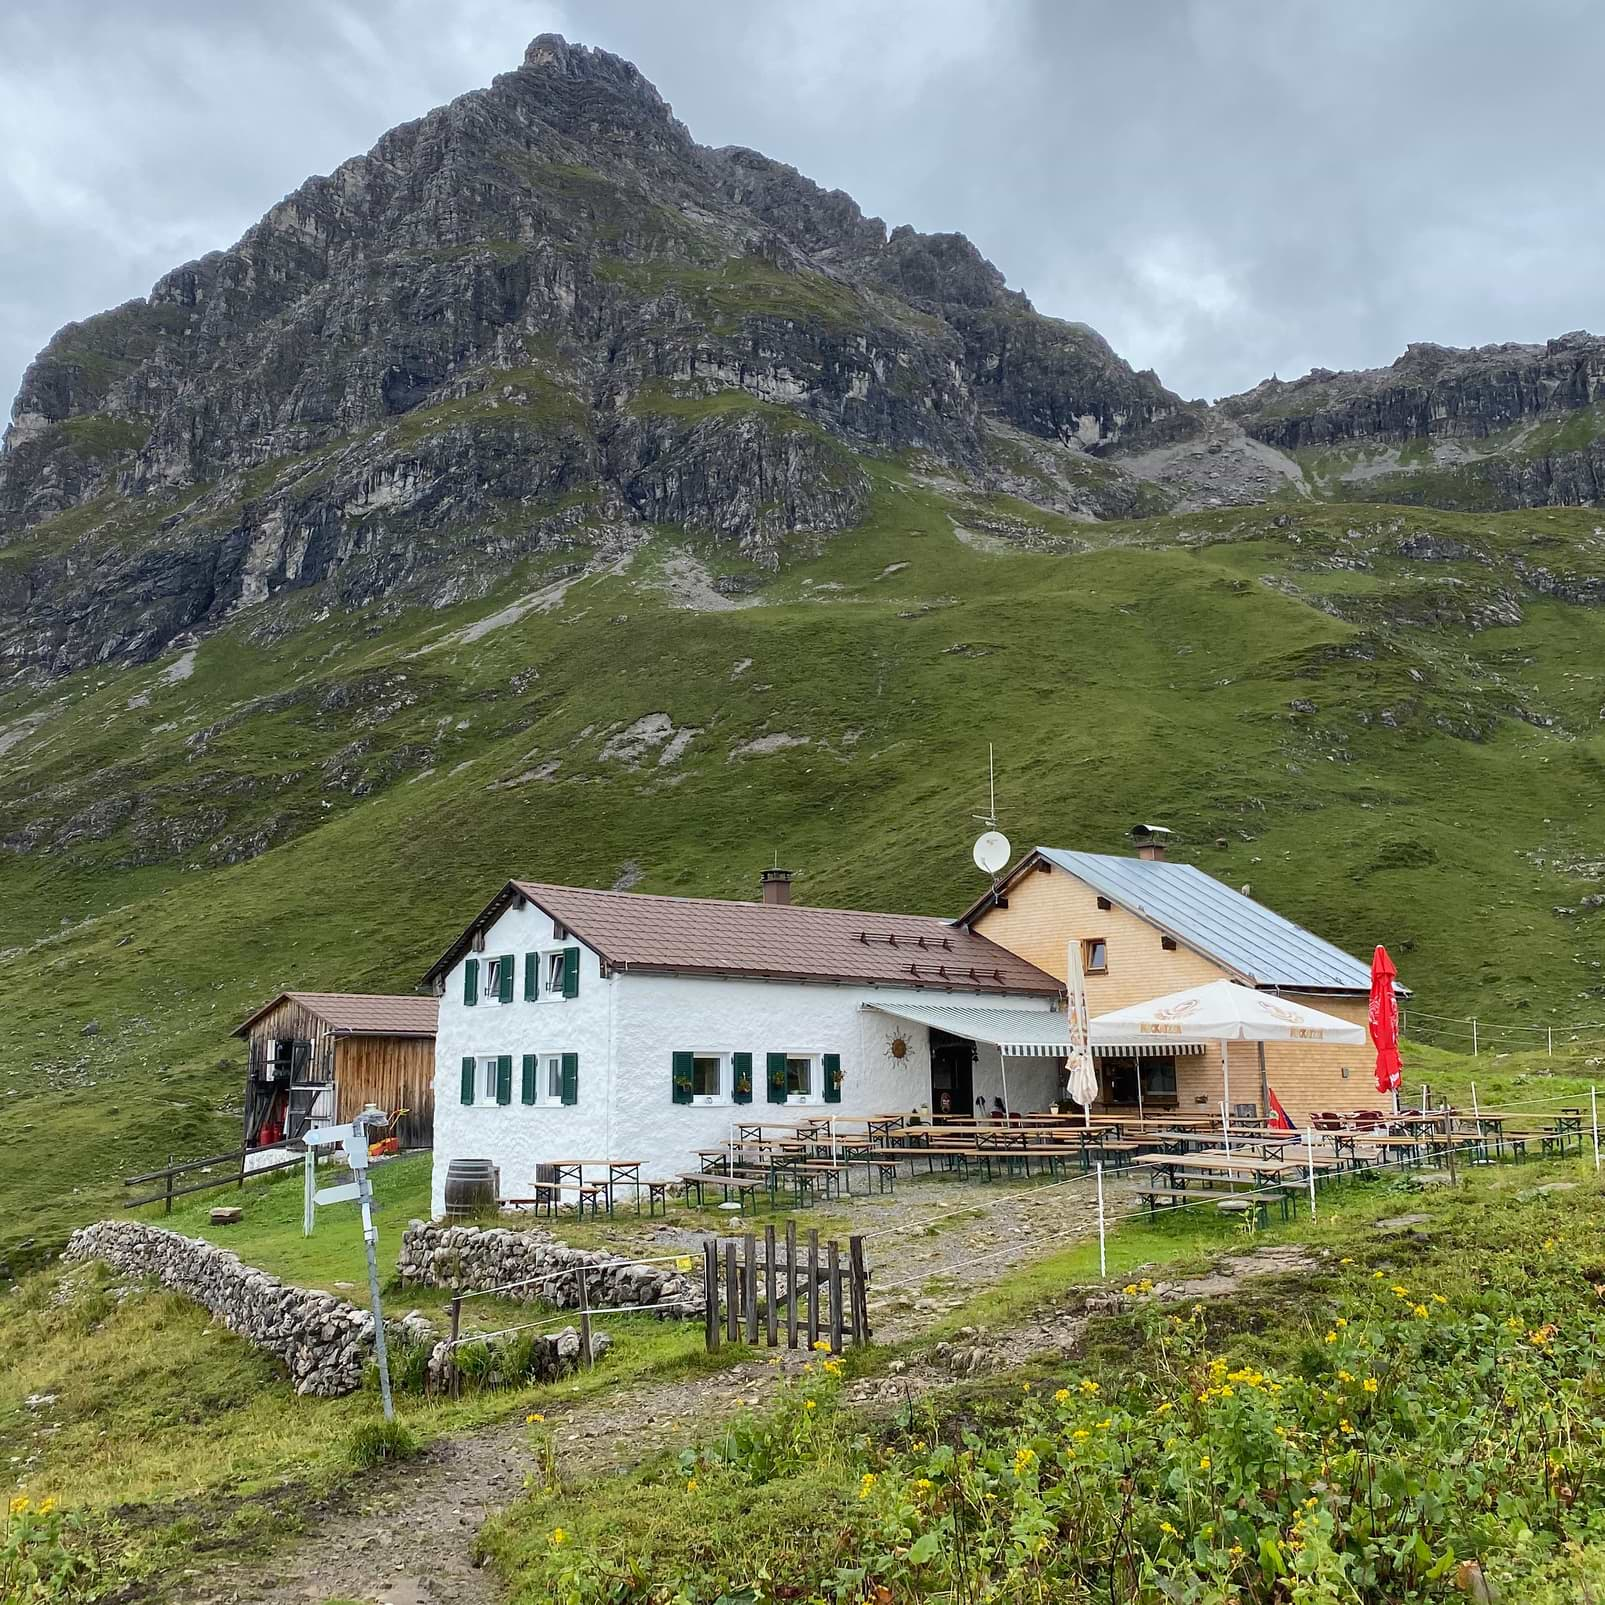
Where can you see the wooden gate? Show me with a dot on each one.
(790, 1296)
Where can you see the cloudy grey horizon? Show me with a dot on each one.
(1223, 188)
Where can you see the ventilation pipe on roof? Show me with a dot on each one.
(1151, 840)
(776, 885)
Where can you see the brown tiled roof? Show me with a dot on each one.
(705, 936)
(360, 1014)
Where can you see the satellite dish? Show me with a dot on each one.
(991, 852)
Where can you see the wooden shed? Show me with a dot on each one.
(318, 1058)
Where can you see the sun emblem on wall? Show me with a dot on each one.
(897, 1048)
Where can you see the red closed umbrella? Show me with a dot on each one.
(1385, 1021)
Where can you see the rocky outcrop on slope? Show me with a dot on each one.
(1431, 390)
(536, 313)
(1497, 426)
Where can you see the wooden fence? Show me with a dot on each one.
(236, 1177)
(793, 1296)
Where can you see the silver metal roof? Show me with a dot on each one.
(1199, 910)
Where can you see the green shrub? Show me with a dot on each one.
(377, 1441)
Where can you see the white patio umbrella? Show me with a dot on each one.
(1226, 1011)
(1081, 1076)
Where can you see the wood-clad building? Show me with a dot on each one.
(1147, 927)
(320, 1058)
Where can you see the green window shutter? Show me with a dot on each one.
(471, 982)
(571, 972)
(833, 1077)
(741, 1078)
(527, 1090)
(571, 1078)
(532, 964)
(468, 1080)
(680, 1077)
(777, 1077)
(504, 992)
(504, 1078)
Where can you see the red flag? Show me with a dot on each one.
(1385, 1021)
(1280, 1120)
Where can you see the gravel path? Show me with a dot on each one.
(406, 1536)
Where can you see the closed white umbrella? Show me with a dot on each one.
(1081, 1077)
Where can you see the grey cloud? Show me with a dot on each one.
(1223, 187)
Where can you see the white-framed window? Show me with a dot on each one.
(802, 1077)
(708, 1078)
(485, 1080)
(552, 974)
(490, 979)
(549, 1078)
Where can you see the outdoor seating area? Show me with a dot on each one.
(1244, 1166)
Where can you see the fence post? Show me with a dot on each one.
(1474, 1037)
(813, 1286)
(1103, 1258)
(1309, 1155)
(710, 1289)
(585, 1320)
(456, 1329)
(1449, 1142)
(771, 1315)
(855, 1258)
(167, 1202)
(1593, 1109)
(791, 1284)
(834, 1262)
(732, 1293)
(749, 1287)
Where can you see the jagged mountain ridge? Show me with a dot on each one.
(539, 308)
(1493, 426)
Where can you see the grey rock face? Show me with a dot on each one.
(534, 313)
(1509, 425)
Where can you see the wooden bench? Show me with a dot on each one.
(657, 1192)
(1257, 1202)
(743, 1186)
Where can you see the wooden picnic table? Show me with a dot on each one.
(620, 1173)
(1214, 1162)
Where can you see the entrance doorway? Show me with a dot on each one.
(952, 1076)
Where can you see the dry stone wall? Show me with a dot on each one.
(469, 1259)
(325, 1342)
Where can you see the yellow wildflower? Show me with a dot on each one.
(1162, 1407)
(1370, 1384)
(46, 1505)
(1419, 1311)
(1343, 1426)
(691, 1485)
(1236, 1552)
(1167, 1529)
(1060, 1395)
(1340, 1323)
(821, 1346)
(917, 1445)
(1438, 1298)
(1331, 1337)
(18, 1505)
(1130, 1287)
(1344, 1376)
(1376, 1276)
(831, 1367)
(1080, 1434)
(1088, 1385)
(530, 1420)
(558, 1537)
(866, 1484)
(1544, 1334)
(1105, 1424)
(1022, 1461)
(1204, 1463)
(1346, 1260)
(808, 1404)
(1025, 1387)
(923, 1485)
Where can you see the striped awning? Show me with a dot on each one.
(1021, 1033)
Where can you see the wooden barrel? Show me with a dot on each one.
(470, 1187)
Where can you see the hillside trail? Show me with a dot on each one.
(406, 1535)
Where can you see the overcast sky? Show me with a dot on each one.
(1224, 188)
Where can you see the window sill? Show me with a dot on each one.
(712, 1103)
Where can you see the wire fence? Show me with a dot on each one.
(1473, 1034)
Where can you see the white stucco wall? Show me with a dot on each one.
(635, 1023)
(514, 1135)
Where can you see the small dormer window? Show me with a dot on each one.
(1104, 904)
(1168, 943)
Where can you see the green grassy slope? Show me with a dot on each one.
(1391, 749)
